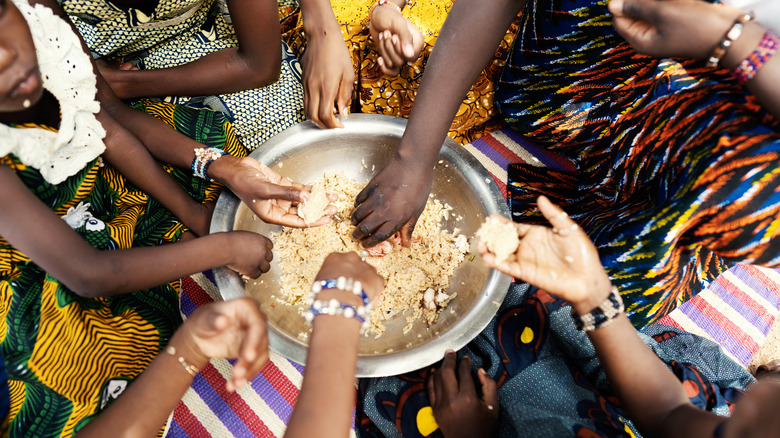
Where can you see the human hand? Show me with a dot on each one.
(251, 253)
(397, 39)
(393, 200)
(270, 196)
(328, 78)
(457, 408)
(561, 260)
(229, 329)
(349, 265)
(673, 28)
(112, 71)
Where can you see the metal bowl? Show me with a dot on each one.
(303, 153)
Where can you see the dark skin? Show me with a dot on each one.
(30, 226)
(254, 63)
(266, 193)
(395, 197)
(566, 264)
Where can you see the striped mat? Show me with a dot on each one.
(736, 311)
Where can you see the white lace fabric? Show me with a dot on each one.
(67, 74)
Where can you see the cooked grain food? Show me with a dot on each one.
(409, 272)
(500, 237)
(314, 207)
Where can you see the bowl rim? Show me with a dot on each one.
(231, 286)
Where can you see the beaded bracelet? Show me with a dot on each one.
(341, 283)
(728, 40)
(191, 369)
(601, 316)
(203, 159)
(337, 308)
(748, 68)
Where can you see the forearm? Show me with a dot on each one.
(328, 392)
(458, 58)
(648, 390)
(134, 162)
(764, 85)
(222, 72)
(135, 413)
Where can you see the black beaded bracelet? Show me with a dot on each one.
(602, 315)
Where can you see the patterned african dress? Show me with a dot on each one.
(179, 32)
(375, 93)
(550, 382)
(68, 357)
(677, 166)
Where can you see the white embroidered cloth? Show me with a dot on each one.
(67, 74)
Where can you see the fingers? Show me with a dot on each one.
(561, 222)
(254, 349)
(389, 49)
(445, 377)
(343, 97)
(280, 192)
(489, 390)
(431, 383)
(406, 232)
(406, 42)
(466, 383)
(384, 232)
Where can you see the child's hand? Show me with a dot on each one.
(328, 78)
(687, 29)
(251, 253)
(270, 196)
(230, 329)
(561, 260)
(349, 265)
(398, 40)
(458, 410)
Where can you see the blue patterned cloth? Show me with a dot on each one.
(550, 382)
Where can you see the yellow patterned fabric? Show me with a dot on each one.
(67, 356)
(378, 94)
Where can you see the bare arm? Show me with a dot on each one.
(566, 263)
(256, 61)
(396, 196)
(328, 75)
(325, 405)
(232, 329)
(693, 30)
(30, 226)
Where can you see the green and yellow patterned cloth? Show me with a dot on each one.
(68, 357)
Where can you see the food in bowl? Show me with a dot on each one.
(416, 278)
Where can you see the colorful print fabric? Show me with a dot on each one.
(677, 169)
(68, 357)
(550, 382)
(179, 32)
(375, 93)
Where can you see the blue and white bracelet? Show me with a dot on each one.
(334, 306)
(203, 159)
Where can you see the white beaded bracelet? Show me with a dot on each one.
(337, 308)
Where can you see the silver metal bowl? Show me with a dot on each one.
(303, 153)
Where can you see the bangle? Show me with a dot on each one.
(203, 159)
(748, 68)
(341, 283)
(190, 368)
(601, 316)
(728, 39)
(337, 308)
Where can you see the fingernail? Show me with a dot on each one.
(380, 61)
(615, 6)
(395, 39)
(409, 50)
(381, 35)
(481, 372)
(449, 352)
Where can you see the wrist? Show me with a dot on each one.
(599, 293)
(186, 351)
(742, 47)
(223, 169)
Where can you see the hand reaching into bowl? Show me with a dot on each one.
(561, 260)
(270, 196)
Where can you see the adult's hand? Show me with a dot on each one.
(561, 260)
(328, 78)
(457, 408)
(230, 329)
(397, 39)
(270, 196)
(393, 200)
(674, 28)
